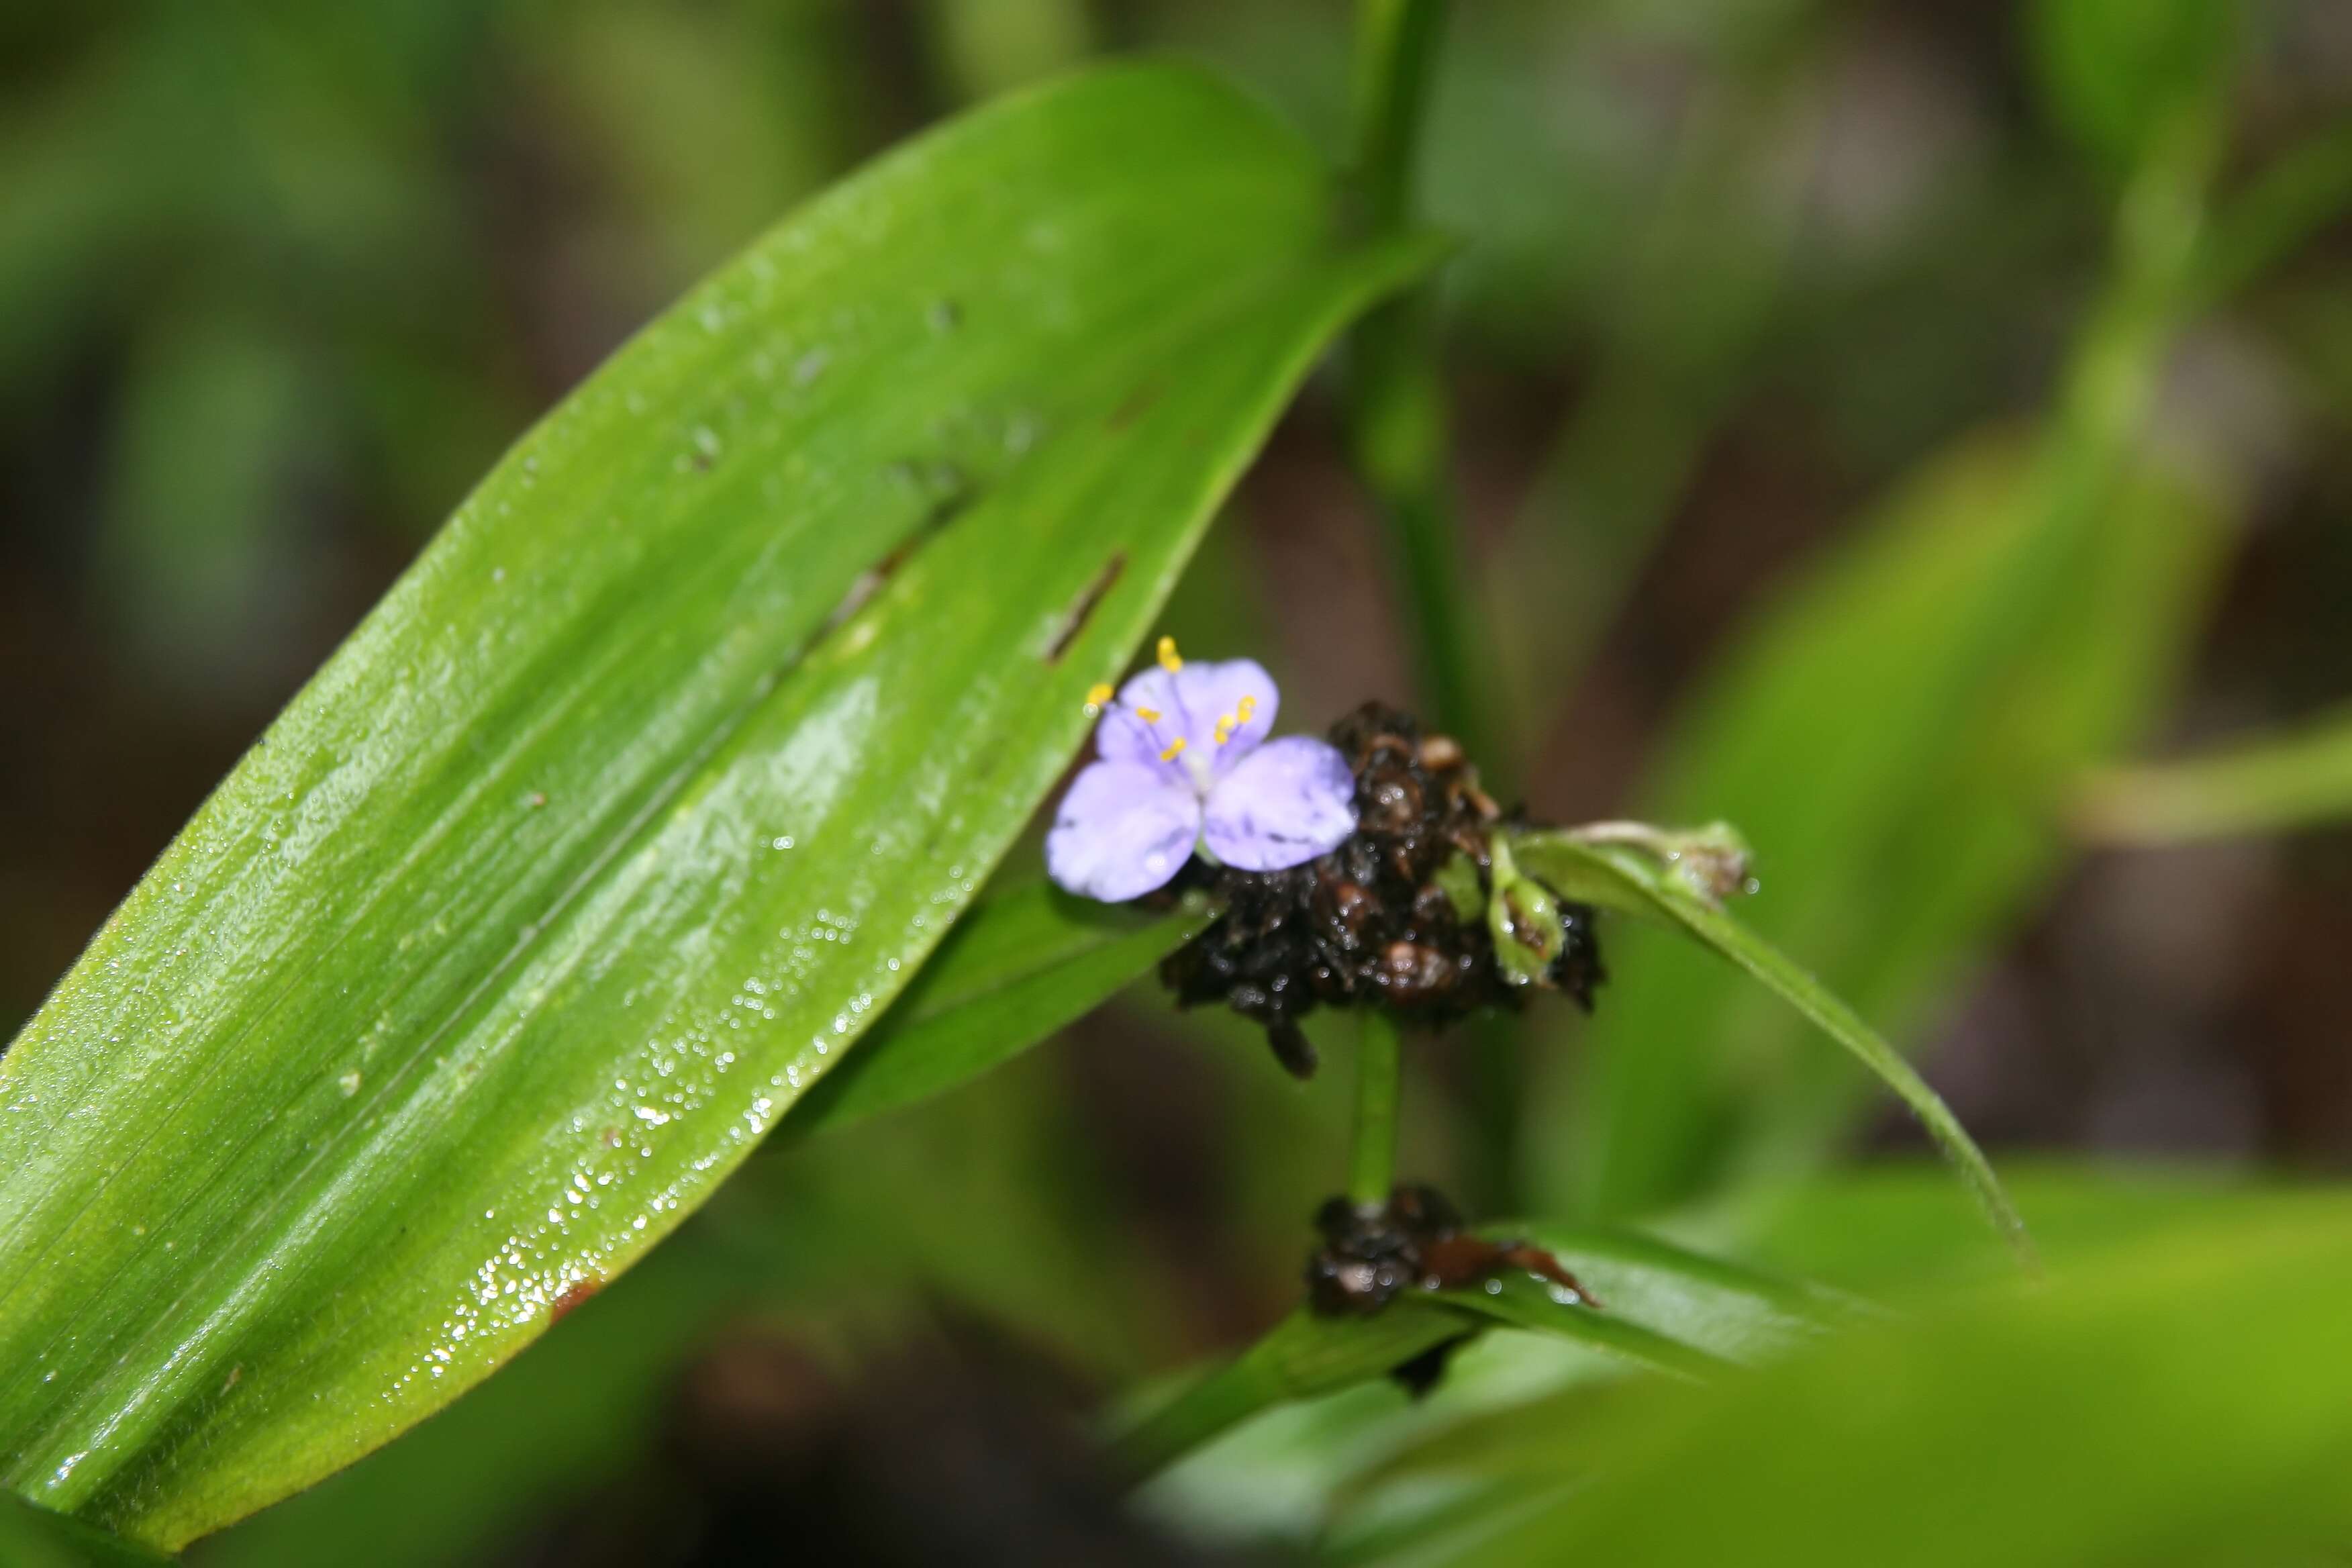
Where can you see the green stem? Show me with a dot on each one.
(1399, 442)
(1396, 43)
(1396, 402)
(1371, 1167)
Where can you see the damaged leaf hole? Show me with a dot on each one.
(1082, 608)
(952, 494)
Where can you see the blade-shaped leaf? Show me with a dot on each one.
(1298, 1358)
(2181, 1400)
(1018, 967)
(1663, 1309)
(2271, 784)
(1900, 1231)
(1731, 1312)
(640, 795)
(1898, 736)
(1625, 879)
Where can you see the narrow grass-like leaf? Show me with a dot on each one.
(2183, 1400)
(1730, 1310)
(1018, 967)
(1517, 1303)
(1900, 1231)
(1663, 1309)
(641, 795)
(1899, 736)
(1302, 1356)
(2272, 784)
(1625, 879)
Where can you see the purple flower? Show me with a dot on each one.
(1185, 763)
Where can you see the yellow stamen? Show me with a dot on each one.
(1235, 720)
(1149, 715)
(1175, 749)
(1099, 693)
(1169, 661)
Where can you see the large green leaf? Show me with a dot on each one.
(640, 796)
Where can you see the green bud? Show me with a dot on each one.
(1713, 861)
(1524, 920)
(1458, 880)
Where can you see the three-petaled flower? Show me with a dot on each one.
(1185, 763)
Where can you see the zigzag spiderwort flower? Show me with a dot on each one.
(1185, 765)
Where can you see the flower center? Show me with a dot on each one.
(1175, 748)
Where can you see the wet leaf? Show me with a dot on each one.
(641, 795)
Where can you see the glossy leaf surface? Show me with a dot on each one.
(640, 795)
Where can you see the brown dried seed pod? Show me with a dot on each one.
(1372, 1252)
(1369, 924)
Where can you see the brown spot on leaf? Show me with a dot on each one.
(1082, 608)
(1137, 405)
(574, 1294)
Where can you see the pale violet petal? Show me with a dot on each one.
(1125, 736)
(1191, 704)
(1282, 805)
(1121, 831)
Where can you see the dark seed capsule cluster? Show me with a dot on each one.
(1392, 918)
(1415, 1240)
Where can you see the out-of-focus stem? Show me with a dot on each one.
(1396, 404)
(1396, 50)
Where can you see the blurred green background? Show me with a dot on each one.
(1867, 418)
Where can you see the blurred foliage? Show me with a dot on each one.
(2016, 1429)
(2267, 786)
(1862, 415)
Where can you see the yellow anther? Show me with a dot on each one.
(1235, 720)
(1149, 715)
(1175, 749)
(1169, 661)
(1099, 693)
